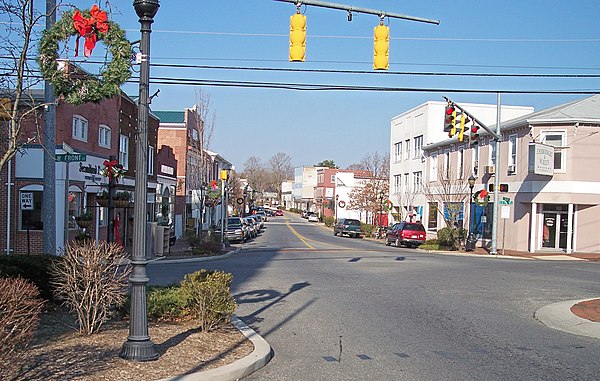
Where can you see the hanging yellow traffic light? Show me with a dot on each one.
(297, 37)
(381, 47)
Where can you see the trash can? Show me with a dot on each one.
(471, 242)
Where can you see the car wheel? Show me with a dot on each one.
(387, 243)
(334, 233)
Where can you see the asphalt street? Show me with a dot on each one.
(336, 308)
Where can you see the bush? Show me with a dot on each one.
(430, 244)
(34, 268)
(329, 221)
(166, 303)
(208, 297)
(451, 239)
(91, 280)
(193, 239)
(20, 308)
(367, 229)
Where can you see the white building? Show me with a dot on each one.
(305, 181)
(412, 130)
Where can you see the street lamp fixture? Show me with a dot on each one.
(138, 346)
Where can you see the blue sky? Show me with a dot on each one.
(524, 37)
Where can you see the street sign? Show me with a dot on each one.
(70, 157)
(26, 200)
(506, 201)
(505, 211)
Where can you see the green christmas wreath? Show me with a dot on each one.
(94, 26)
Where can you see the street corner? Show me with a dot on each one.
(561, 316)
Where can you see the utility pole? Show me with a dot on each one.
(49, 194)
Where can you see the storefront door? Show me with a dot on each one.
(554, 230)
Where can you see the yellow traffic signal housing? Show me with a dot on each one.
(461, 131)
(297, 38)
(381, 47)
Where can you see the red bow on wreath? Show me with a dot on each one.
(89, 28)
(109, 165)
(213, 185)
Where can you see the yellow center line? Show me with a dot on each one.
(299, 236)
(306, 240)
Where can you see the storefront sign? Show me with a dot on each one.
(541, 159)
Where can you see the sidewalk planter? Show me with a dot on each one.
(102, 199)
(84, 220)
(122, 199)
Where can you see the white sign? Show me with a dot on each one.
(329, 192)
(505, 211)
(541, 159)
(27, 201)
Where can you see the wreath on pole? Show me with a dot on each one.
(94, 26)
(481, 197)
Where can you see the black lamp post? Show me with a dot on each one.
(470, 246)
(138, 346)
(337, 197)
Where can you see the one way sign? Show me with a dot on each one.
(27, 201)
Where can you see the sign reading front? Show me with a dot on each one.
(26, 200)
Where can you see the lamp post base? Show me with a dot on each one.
(139, 350)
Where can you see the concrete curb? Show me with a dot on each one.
(559, 316)
(474, 255)
(261, 355)
(198, 259)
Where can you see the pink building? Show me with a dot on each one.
(547, 159)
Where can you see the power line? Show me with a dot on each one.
(332, 71)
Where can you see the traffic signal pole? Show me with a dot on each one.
(352, 9)
(497, 137)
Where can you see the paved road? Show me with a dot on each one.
(345, 309)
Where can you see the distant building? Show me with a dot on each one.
(305, 181)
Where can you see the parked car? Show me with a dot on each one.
(305, 214)
(279, 212)
(409, 234)
(235, 230)
(252, 226)
(347, 226)
(312, 217)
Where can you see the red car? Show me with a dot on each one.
(409, 234)
(279, 212)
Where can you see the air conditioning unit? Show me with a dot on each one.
(490, 169)
(511, 169)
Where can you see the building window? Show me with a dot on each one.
(80, 128)
(557, 140)
(432, 220)
(475, 161)
(433, 168)
(333, 179)
(407, 149)
(446, 165)
(461, 163)
(418, 146)
(397, 184)
(512, 154)
(31, 218)
(417, 181)
(150, 160)
(493, 145)
(195, 135)
(398, 151)
(406, 183)
(104, 136)
(124, 151)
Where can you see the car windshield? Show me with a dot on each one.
(417, 227)
(234, 221)
(352, 222)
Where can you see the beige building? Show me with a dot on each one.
(549, 161)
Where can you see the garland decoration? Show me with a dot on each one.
(82, 87)
(112, 169)
(481, 197)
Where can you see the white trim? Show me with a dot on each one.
(32, 187)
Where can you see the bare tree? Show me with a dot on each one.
(377, 164)
(255, 173)
(280, 169)
(451, 192)
(17, 103)
(372, 196)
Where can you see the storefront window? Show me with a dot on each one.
(432, 221)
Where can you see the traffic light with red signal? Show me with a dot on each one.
(450, 120)
(474, 137)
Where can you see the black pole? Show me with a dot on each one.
(138, 346)
(111, 206)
